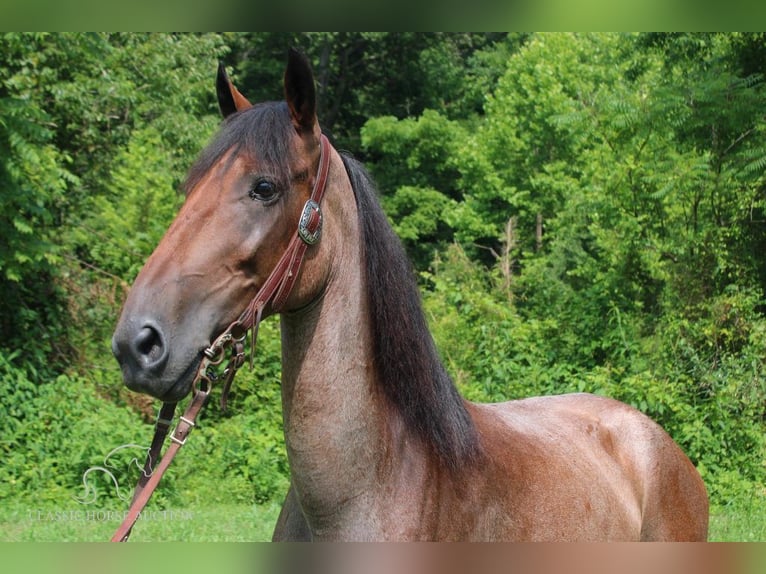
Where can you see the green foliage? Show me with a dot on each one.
(492, 354)
(711, 402)
(33, 181)
(122, 226)
(53, 432)
(416, 176)
(69, 105)
(370, 74)
(33, 178)
(96, 133)
(243, 448)
(586, 212)
(647, 284)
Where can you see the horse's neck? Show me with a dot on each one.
(333, 419)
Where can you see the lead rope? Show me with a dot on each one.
(151, 475)
(275, 290)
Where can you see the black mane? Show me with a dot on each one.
(405, 356)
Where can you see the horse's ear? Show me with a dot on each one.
(300, 91)
(229, 98)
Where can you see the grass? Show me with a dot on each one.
(27, 522)
(742, 522)
(74, 523)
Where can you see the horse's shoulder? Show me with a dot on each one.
(555, 416)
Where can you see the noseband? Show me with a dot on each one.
(273, 294)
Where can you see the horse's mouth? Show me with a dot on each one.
(166, 389)
(183, 385)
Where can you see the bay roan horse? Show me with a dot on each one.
(380, 443)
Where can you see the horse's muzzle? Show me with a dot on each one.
(143, 355)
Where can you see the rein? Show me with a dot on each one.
(275, 292)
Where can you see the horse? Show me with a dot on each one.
(380, 444)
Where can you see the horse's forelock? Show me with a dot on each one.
(261, 133)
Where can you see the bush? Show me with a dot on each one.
(54, 431)
(241, 449)
(700, 376)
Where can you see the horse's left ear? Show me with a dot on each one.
(229, 98)
(300, 91)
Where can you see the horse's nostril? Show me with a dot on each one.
(149, 347)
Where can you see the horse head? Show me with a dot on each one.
(244, 198)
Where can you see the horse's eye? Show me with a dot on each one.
(263, 190)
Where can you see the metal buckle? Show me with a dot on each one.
(188, 432)
(179, 442)
(312, 214)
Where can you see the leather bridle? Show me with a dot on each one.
(273, 294)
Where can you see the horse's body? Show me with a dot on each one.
(380, 444)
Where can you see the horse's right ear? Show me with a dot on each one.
(229, 98)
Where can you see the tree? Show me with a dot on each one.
(70, 103)
(33, 180)
(643, 156)
(365, 75)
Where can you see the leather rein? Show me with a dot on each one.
(274, 292)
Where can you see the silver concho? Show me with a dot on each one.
(311, 213)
